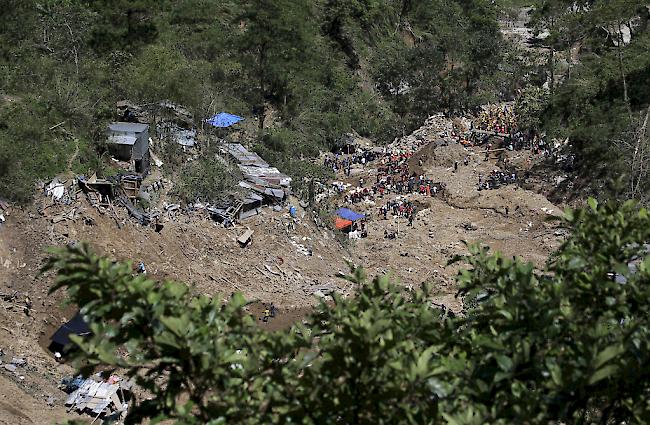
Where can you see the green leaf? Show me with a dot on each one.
(603, 373)
(607, 354)
(505, 362)
(175, 324)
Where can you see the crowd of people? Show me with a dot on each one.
(359, 195)
(400, 207)
(340, 162)
(394, 176)
(499, 120)
(400, 185)
(503, 120)
(495, 179)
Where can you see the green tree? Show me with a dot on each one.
(123, 24)
(206, 179)
(567, 343)
(276, 37)
(529, 107)
(615, 16)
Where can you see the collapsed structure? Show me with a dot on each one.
(98, 397)
(263, 185)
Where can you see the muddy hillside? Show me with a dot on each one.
(403, 209)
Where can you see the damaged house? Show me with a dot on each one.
(129, 142)
(256, 170)
(263, 185)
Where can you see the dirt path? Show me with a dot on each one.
(74, 154)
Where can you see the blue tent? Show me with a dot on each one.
(224, 119)
(349, 214)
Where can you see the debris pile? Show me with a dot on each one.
(97, 396)
(437, 127)
(4, 207)
(171, 132)
(16, 362)
(262, 185)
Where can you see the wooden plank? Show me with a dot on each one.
(245, 237)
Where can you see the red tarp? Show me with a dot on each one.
(342, 223)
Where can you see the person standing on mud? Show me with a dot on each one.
(487, 151)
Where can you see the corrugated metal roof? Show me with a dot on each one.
(92, 395)
(244, 156)
(122, 140)
(278, 193)
(128, 127)
(268, 174)
(261, 171)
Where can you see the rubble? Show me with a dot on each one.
(469, 226)
(99, 397)
(286, 265)
(169, 131)
(437, 127)
(18, 361)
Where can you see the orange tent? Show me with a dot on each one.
(342, 223)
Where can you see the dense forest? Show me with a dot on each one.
(602, 94)
(306, 72)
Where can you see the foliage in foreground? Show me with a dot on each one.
(567, 343)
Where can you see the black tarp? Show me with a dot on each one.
(61, 338)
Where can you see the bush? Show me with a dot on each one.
(568, 343)
(28, 151)
(205, 179)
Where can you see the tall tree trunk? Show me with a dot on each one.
(621, 68)
(262, 60)
(569, 61)
(551, 72)
(551, 63)
(639, 157)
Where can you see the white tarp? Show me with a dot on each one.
(95, 396)
(55, 189)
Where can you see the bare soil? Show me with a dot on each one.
(275, 268)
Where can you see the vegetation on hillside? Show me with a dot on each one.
(568, 343)
(316, 69)
(602, 101)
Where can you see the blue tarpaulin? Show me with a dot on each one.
(349, 214)
(224, 119)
